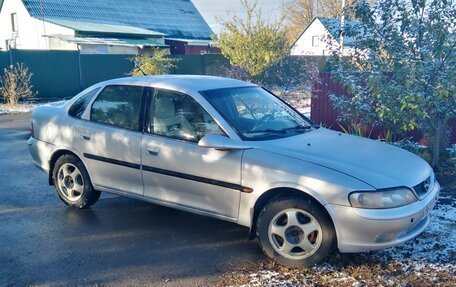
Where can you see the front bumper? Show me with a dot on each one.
(361, 230)
(41, 152)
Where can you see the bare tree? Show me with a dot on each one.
(15, 84)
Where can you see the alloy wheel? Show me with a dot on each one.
(70, 182)
(295, 234)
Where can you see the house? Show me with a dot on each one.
(104, 26)
(322, 37)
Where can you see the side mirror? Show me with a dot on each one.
(220, 142)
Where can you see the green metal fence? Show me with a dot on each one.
(209, 64)
(62, 74)
(55, 74)
(97, 68)
(4, 61)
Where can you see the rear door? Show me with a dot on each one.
(110, 139)
(178, 171)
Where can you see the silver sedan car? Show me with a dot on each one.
(232, 150)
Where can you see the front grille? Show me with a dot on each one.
(424, 187)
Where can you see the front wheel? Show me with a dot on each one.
(72, 182)
(295, 231)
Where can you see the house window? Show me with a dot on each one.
(315, 41)
(14, 22)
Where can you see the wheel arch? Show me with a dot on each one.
(55, 156)
(279, 192)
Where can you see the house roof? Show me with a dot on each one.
(333, 26)
(99, 28)
(175, 18)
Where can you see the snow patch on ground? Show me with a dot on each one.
(429, 259)
(437, 243)
(25, 107)
(20, 108)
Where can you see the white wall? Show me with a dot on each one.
(57, 44)
(327, 43)
(30, 30)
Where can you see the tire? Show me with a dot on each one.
(295, 232)
(72, 182)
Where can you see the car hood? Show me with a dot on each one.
(376, 163)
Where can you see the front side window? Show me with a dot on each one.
(80, 105)
(255, 114)
(179, 116)
(118, 106)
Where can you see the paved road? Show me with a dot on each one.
(118, 242)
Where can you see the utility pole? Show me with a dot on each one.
(342, 28)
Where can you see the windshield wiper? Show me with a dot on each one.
(268, 131)
(297, 128)
(283, 131)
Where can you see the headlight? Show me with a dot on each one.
(383, 199)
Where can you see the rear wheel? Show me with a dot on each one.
(295, 231)
(72, 182)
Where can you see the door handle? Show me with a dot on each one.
(85, 137)
(152, 152)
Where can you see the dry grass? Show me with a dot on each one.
(347, 272)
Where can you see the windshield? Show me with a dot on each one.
(256, 114)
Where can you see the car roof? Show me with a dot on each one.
(183, 83)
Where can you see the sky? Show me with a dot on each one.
(211, 9)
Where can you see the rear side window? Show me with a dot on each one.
(118, 106)
(78, 107)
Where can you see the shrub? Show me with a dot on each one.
(401, 68)
(15, 84)
(252, 44)
(157, 64)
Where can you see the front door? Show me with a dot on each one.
(110, 139)
(176, 170)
